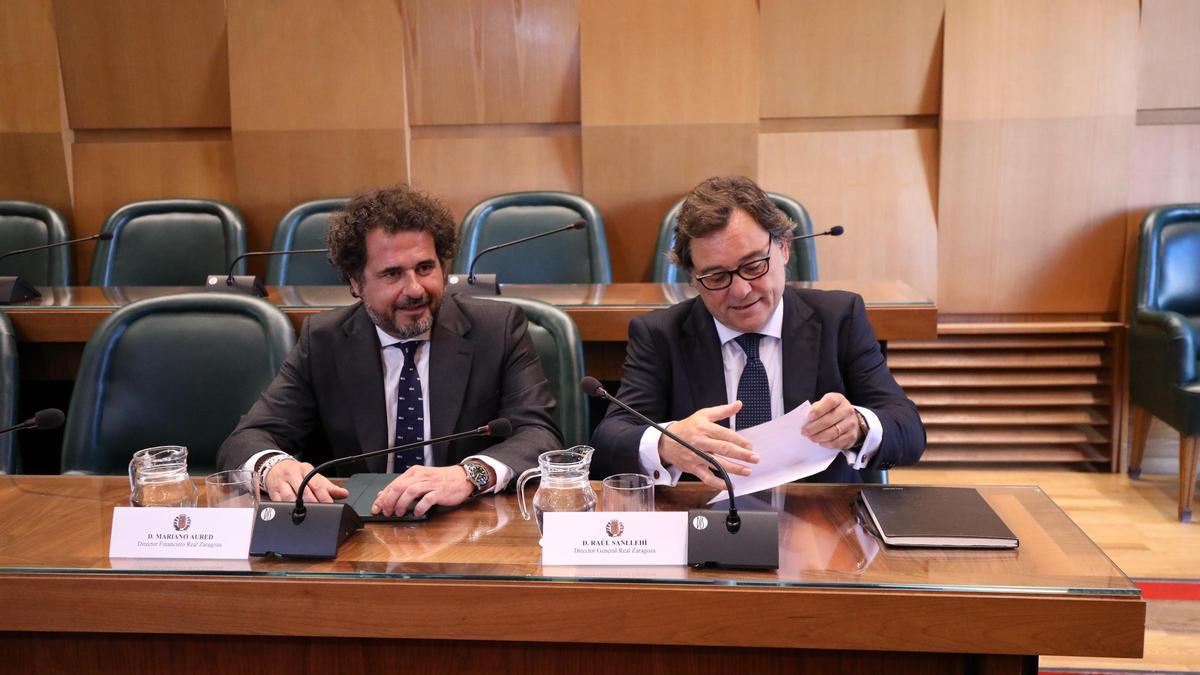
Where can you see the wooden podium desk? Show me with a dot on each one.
(53, 328)
(466, 591)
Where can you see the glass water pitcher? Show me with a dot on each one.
(564, 483)
(158, 477)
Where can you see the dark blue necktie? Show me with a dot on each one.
(753, 390)
(410, 410)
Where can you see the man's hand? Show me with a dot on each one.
(700, 429)
(426, 486)
(284, 479)
(832, 423)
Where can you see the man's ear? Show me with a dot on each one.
(785, 249)
(354, 288)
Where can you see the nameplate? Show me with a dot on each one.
(615, 538)
(163, 532)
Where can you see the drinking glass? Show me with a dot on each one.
(234, 489)
(628, 492)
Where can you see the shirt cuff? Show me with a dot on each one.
(253, 461)
(650, 461)
(503, 472)
(858, 459)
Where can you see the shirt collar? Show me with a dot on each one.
(386, 340)
(773, 328)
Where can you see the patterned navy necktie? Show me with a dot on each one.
(410, 410)
(753, 390)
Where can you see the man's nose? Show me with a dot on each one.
(740, 287)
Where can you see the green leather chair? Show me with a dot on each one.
(26, 224)
(1164, 346)
(560, 349)
(9, 457)
(304, 227)
(175, 370)
(802, 266)
(169, 242)
(579, 256)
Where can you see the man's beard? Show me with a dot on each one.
(388, 323)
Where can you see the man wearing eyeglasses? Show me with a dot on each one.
(749, 349)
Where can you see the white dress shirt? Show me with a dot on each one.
(393, 363)
(770, 352)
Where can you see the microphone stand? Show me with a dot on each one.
(751, 542)
(317, 530)
(486, 284)
(248, 284)
(15, 289)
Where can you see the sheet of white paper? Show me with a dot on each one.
(784, 455)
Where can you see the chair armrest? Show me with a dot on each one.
(1165, 343)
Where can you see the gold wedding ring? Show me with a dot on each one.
(838, 427)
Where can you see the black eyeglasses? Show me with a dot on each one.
(722, 279)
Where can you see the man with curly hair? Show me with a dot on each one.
(406, 363)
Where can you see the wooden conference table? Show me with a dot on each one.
(53, 328)
(466, 591)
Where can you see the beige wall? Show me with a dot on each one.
(996, 154)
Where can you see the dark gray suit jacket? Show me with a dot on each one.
(327, 400)
(673, 368)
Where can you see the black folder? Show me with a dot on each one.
(364, 487)
(939, 517)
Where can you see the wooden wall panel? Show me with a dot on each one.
(1166, 167)
(318, 104)
(634, 174)
(316, 64)
(1170, 52)
(34, 140)
(144, 63)
(669, 98)
(850, 58)
(482, 62)
(1037, 132)
(669, 62)
(464, 170)
(276, 170)
(880, 184)
(112, 172)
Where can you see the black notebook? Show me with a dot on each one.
(942, 517)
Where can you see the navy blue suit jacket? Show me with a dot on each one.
(673, 368)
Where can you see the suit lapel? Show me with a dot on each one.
(449, 369)
(360, 374)
(801, 347)
(701, 351)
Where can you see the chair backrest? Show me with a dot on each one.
(25, 225)
(9, 458)
(1168, 271)
(578, 256)
(169, 242)
(176, 370)
(802, 266)
(560, 349)
(304, 227)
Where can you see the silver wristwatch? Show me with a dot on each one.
(478, 474)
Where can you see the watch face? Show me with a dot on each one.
(477, 474)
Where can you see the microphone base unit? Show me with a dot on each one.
(485, 284)
(324, 528)
(243, 284)
(16, 289)
(755, 545)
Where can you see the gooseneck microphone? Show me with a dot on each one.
(499, 427)
(835, 231)
(249, 284)
(592, 387)
(16, 289)
(316, 530)
(486, 284)
(50, 418)
(744, 543)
